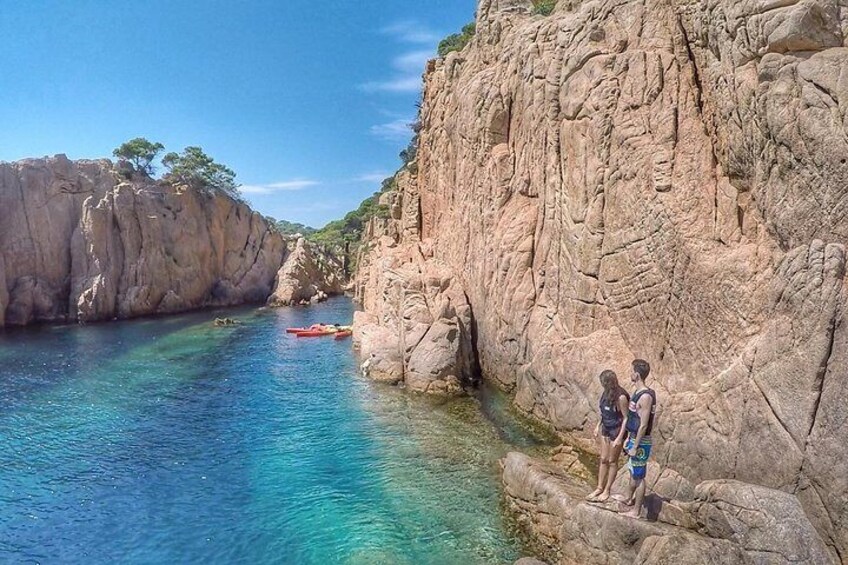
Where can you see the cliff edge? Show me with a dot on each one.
(662, 179)
(81, 242)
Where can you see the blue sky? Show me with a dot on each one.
(307, 101)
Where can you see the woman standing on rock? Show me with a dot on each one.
(610, 432)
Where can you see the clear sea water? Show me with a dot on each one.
(169, 440)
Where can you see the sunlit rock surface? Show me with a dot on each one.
(308, 275)
(662, 179)
(80, 242)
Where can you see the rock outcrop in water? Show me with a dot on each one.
(79, 242)
(661, 179)
(308, 275)
(416, 327)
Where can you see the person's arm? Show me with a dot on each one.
(598, 429)
(622, 407)
(644, 408)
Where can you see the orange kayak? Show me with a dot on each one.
(314, 333)
(344, 334)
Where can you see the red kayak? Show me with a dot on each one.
(297, 330)
(314, 333)
(344, 334)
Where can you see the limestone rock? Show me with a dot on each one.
(661, 179)
(307, 274)
(80, 242)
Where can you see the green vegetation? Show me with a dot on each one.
(457, 41)
(344, 237)
(192, 167)
(140, 152)
(291, 228)
(196, 169)
(544, 7)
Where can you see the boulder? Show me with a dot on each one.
(307, 276)
(421, 335)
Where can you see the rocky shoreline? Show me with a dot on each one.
(620, 180)
(719, 521)
(85, 241)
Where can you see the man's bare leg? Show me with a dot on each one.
(627, 501)
(640, 497)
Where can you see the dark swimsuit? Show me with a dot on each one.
(638, 463)
(611, 416)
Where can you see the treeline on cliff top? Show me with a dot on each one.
(196, 170)
(343, 237)
(458, 41)
(192, 168)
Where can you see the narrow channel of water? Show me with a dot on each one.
(173, 441)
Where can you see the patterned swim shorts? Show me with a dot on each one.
(638, 463)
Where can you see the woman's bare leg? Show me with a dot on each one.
(612, 470)
(602, 468)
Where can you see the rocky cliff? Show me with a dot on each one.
(661, 179)
(80, 242)
(309, 274)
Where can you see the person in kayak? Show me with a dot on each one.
(610, 433)
(640, 425)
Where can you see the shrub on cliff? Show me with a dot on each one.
(544, 7)
(196, 169)
(457, 41)
(140, 152)
(291, 228)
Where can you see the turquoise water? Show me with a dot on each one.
(173, 441)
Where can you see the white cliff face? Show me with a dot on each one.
(655, 179)
(80, 243)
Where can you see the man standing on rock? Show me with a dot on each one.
(640, 424)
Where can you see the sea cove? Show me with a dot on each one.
(170, 440)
